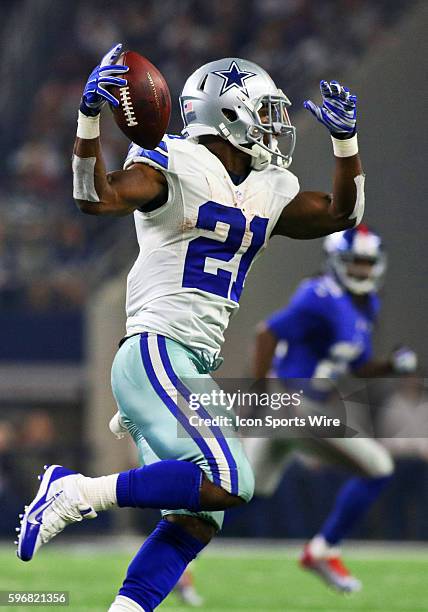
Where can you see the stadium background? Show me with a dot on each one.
(62, 274)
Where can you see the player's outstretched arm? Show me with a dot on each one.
(402, 361)
(95, 191)
(313, 214)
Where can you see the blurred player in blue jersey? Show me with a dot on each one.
(205, 205)
(323, 333)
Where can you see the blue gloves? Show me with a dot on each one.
(95, 94)
(338, 111)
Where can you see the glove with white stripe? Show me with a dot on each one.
(404, 360)
(95, 94)
(338, 111)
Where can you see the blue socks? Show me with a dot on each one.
(158, 565)
(162, 559)
(352, 502)
(169, 484)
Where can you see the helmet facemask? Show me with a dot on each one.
(345, 265)
(357, 259)
(271, 128)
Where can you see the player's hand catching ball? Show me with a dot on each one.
(338, 111)
(95, 94)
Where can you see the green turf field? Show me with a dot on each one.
(232, 580)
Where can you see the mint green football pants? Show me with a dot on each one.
(153, 378)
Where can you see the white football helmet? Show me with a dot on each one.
(356, 258)
(237, 100)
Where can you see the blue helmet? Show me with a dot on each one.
(356, 258)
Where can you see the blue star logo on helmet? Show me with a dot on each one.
(234, 77)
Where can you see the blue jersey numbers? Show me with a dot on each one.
(220, 282)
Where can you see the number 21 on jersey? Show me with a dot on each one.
(220, 283)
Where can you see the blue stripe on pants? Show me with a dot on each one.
(218, 434)
(175, 410)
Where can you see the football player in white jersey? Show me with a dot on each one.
(205, 205)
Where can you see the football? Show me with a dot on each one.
(144, 103)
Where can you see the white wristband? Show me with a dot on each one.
(88, 127)
(345, 148)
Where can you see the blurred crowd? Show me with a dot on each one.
(48, 250)
(31, 436)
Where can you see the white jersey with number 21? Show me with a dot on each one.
(196, 249)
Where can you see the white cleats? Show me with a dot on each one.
(57, 504)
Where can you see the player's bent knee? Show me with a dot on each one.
(197, 527)
(214, 497)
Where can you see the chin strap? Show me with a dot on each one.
(260, 157)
